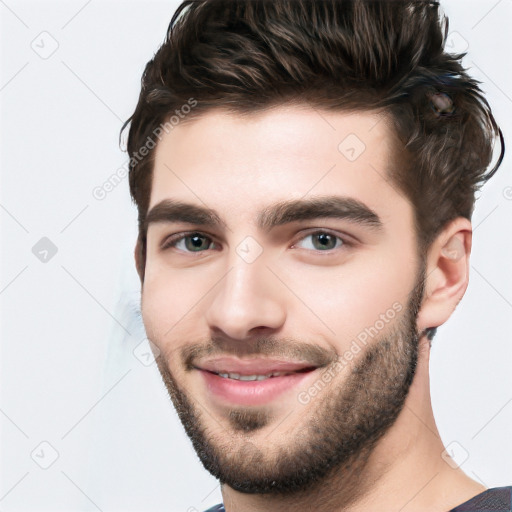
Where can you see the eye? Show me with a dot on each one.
(191, 242)
(321, 241)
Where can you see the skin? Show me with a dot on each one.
(237, 166)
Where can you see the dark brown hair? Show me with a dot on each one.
(341, 55)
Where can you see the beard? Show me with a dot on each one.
(334, 438)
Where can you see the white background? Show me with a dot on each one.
(69, 375)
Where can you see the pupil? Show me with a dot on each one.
(325, 240)
(196, 242)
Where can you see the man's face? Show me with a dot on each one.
(260, 283)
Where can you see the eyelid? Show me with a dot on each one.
(169, 241)
(347, 241)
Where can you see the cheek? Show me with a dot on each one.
(344, 301)
(168, 300)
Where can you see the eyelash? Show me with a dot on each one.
(173, 240)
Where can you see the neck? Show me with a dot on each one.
(404, 472)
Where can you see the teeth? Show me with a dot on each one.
(237, 376)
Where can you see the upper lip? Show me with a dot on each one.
(259, 366)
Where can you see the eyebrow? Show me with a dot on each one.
(336, 207)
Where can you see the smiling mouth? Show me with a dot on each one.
(252, 389)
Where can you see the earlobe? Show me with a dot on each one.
(446, 273)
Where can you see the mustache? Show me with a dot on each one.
(270, 346)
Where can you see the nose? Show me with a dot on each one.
(248, 300)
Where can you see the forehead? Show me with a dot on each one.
(243, 162)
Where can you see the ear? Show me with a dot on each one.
(140, 259)
(447, 273)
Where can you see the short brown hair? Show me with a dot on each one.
(246, 55)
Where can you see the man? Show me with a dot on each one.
(304, 173)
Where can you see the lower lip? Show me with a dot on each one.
(252, 392)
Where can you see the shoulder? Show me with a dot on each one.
(216, 508)
(497, 499)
